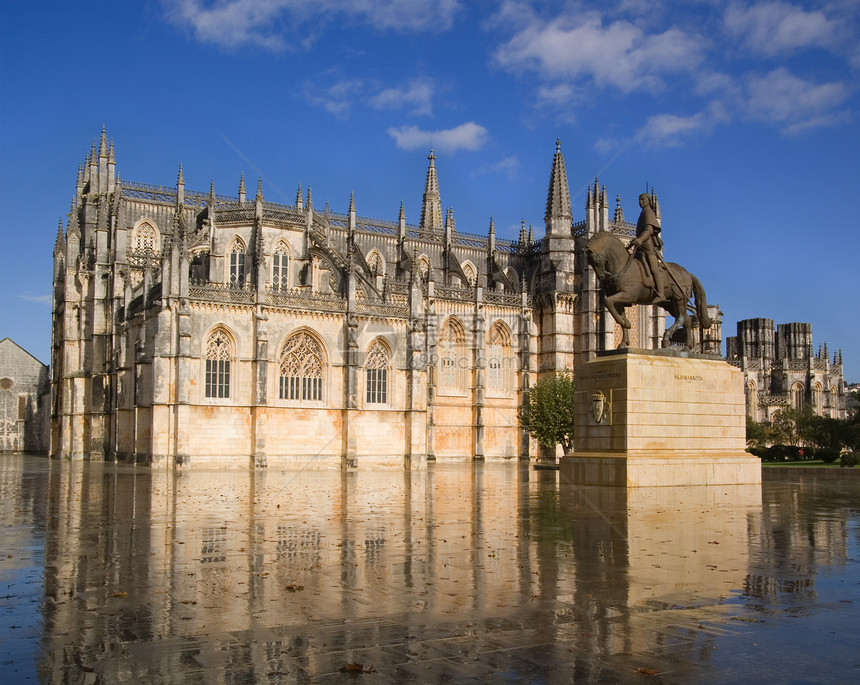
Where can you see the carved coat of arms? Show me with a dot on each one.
(599, 407)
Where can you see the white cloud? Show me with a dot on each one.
(338, 98)
(774, 28)
(468, 136)
(671, 129)
(781, 97)
(618, 54)
(418, 95)
(231, 23)
(507, 166)
(39, 299)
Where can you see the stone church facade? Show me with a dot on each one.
(24, 400)
(190, 327)
(782, 369)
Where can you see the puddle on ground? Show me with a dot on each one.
(460, 572)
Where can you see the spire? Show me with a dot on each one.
(259, 197)
(449, 220)
(655, 203)
(310, 200)
(523, 232)
(558, 215)
(431, 208)
(352, 203)
(619, 213)
(531, 237)
(59, 243)
(111, 155)
(491, 237)
(180, 188)
(242, 191)
(103, 149)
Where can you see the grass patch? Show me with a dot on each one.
(807, 463)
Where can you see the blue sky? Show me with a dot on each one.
(742, 115)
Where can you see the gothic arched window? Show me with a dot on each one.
(280, 268)
(218, 355)
(423, 267)
(376, 263)
(237, 263)
(752, 400)
(376, 373)
(500, 359)
(146, 238)
(301, 369)
(818, 399)
(797, 396)
(453, 360)
(471, 273)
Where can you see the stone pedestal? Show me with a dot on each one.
(659, 417)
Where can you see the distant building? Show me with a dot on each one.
(24, 400)
(781, 369)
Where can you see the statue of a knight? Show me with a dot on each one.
(647, 245)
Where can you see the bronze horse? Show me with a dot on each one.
(624, 283)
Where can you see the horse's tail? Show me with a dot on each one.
(701, 303)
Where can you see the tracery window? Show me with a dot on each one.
(471, 274)
(281, 268)
(453, 360)
(218, 355)
(375, 263)
(752, 399)
(500, 359)
(301, 369)
(376, 373)
(797, 396)
(423, 266)
(237, 263)
(818, 399)
(146, 238)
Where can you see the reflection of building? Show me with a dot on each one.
(781, 369)
(204, 575)
(191, 326)
(23, 400)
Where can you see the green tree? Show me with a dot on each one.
(784, 429)
(548, 411)
(758, 434)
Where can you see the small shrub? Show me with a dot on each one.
(784, 453)
(827, 454)
(849, 459)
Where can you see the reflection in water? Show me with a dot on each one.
(461, 571)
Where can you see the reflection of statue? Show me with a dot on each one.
(647, 246)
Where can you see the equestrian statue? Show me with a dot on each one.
(644, 278)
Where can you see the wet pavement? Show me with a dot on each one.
(459, 573)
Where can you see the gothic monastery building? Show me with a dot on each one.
(782, 369)
(190, 327)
